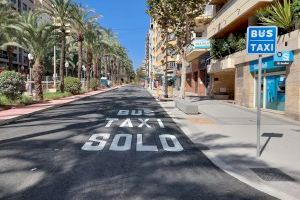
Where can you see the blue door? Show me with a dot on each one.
(275, 97)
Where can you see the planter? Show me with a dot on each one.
(221, 96)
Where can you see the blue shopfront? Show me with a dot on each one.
(274, 80)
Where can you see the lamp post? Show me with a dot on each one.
(54, 66)
(30, 58)
(67, 66)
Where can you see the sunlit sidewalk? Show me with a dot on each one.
(10, 115)
(227, 135)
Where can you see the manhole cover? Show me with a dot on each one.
(271, 174)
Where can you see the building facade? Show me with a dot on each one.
(234, 76)
(198, 55)
(19, 56)
(160, 58)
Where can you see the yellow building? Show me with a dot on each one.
(161, 57)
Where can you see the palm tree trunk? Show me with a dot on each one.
(95, 68)
(37, 78)
(98, 68)
(88, 68)
(10, 51)
(62, 63)
(79, 57)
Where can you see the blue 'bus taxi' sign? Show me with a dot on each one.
(261, 39)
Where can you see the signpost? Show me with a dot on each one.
(260, 40)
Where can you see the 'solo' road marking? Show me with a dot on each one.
(97, 142)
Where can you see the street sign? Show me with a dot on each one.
(283, 58)
(260, 40)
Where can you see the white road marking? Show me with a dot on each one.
(160, 123)
(88, 146)
(138, 113)
(177, 146)
(144, 123)
(123, 113)
(127, 123)
(127, 145)
(110, 121)
(141, 147)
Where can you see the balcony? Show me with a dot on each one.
(225, 64)
(233, 16)
(206, 17)
(198, 47)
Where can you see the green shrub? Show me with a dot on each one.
(26, 100)
(55, 95)
(12, 84)
(72, 85)
(226, 46)
(94, 84)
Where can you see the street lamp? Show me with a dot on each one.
(67, 66)
(30, 58)
(84, 70)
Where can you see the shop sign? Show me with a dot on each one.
(202, 43)
(273, 63)
(284, 58)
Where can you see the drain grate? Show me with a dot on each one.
(271, 174)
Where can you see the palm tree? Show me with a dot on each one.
(280, 15)
(7, 16)
(90, 38)
(36, 37)
(61, 11)
(79, 17)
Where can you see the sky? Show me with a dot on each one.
(128, 19)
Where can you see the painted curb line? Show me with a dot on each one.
(229, 169)
(8, 121)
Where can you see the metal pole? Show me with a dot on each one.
(259, 105)
(54, 74)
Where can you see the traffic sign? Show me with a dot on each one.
(261, 39)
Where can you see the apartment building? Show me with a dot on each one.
(160, 56)
(234, 76)
(19, 56)
(198, 55)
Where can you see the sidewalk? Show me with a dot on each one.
(11, 115)
(226, 133)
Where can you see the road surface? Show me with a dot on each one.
(119, 145)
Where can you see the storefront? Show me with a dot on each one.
(197, 79)
(274, 81)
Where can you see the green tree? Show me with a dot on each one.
(7, 16)
(61, 12)
(279, 14)
(179, 17)
(80, 16)
(35, 36)
(90, 37)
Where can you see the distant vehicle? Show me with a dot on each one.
(105, 82)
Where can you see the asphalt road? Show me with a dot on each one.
(90, 149)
